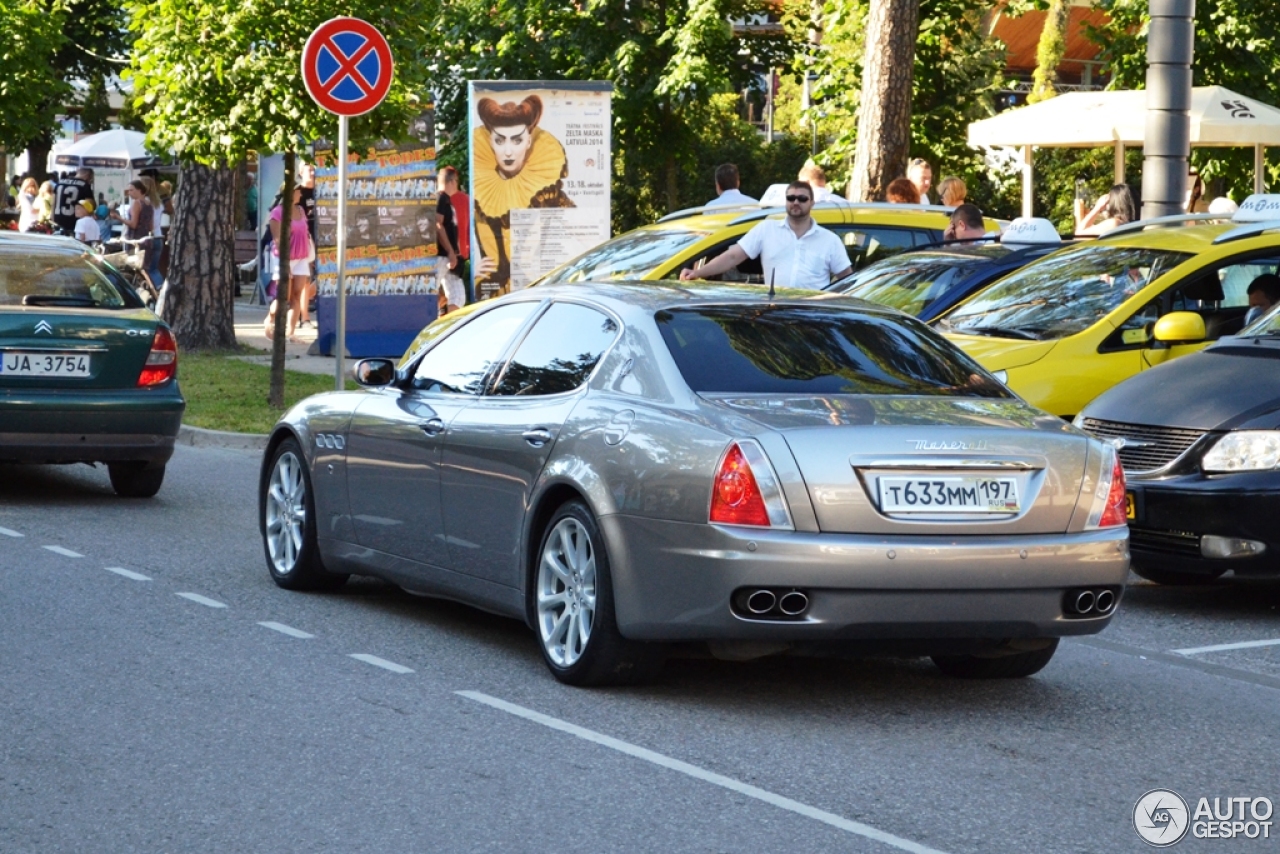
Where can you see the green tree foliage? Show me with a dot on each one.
(666, 59)
(31, 35)
(957, 71)
(1237, 46)
(216, 79)
(95, 114)
(1049, 52)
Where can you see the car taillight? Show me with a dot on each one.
(746, 491)
(162, 361)
(1109, 504)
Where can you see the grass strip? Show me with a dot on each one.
(226, 393)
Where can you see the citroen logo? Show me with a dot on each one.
(43, 326)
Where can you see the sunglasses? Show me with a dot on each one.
(797, 198)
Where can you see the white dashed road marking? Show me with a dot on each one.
(6, 532)
(286, 630)
(59, 550)
(1223, 647)
(855, 827)
(127, 573)
(203, 600)
(381, 662)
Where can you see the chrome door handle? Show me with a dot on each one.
(538, 437)
(433, 427)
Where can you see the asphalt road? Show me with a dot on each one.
(159, 694)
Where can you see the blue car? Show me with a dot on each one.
(927, 282)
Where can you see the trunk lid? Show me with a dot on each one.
(929, 465)
(49, 347)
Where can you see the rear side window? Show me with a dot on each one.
(813, 350)
(559, 353)
(59, 279)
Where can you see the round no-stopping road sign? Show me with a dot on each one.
(346, 66)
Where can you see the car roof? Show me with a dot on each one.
(648, 296)
(26, 241)
(1185, 238)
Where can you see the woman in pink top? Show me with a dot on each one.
(299, 263)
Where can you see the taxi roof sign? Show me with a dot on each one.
(1260, 207)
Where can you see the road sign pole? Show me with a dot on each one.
(341, 346)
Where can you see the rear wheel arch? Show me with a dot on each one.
(545, 506)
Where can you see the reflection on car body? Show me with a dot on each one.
(638, 464)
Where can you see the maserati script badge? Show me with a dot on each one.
(926, 445)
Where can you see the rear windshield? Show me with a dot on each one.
(1063, 293)
(807, 350)
(912, 282)
(630, 256)
(58, 279)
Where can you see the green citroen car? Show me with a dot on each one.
(88, 374)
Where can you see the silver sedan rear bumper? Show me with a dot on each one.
(676, 581)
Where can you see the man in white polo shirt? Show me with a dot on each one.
(795, 252)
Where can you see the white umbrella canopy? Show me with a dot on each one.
(1219, 117)
(111, 149)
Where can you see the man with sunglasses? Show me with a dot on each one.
(795, 252)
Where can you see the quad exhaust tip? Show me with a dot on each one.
(763, 603)
(1090, 602)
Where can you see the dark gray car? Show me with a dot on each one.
(628, 465)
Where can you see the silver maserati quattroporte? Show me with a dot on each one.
(627, 466)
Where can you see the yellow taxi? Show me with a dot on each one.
(1064, 329)
(690, 238)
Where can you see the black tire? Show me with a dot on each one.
(606, 657)
(288, 523)
(1016, 665)
(1173, 577)
(136, 480)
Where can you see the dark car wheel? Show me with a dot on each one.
(136, 480)
(289, 524)
(1014, 666)
(1165, 576)
(573, 607)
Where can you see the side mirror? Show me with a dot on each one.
(374, 373)
(1179, 327)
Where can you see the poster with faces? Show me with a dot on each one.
(540, 177)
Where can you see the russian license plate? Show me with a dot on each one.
(15, 363)
(948, 495)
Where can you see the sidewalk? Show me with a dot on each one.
(298, 354)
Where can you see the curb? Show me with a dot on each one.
(198, 437)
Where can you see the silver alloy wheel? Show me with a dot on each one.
(286, 511)
(566, 592)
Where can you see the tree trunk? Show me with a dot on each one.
(276, 396)
(884, 115)
(1049, 53)
(200, 302)
(38, 157)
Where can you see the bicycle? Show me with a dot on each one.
(132, 266)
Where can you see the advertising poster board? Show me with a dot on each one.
(391, 282)
(540, 176)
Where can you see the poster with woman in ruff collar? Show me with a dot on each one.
(540, 172)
